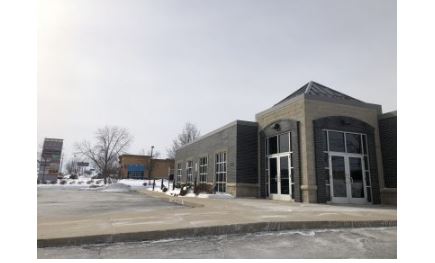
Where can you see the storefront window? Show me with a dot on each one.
(353, 143)
(336, 141)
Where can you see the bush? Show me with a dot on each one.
(185, 189)
(80, 182)
(53, 182)
(72, 182)
(144, 184)
(98, 181)
(164, 189)
(203, 188)
(73, 176)
(63, 182)
(89, 182)
(94, 186)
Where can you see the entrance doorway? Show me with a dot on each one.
(279, 177)
(347, 178)
(279, 166)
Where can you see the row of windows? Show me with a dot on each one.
(220, 171)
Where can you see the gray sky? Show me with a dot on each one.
(150, 66)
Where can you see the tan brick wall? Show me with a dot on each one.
(160, 166)
(294, 110)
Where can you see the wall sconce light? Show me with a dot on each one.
(277, 127)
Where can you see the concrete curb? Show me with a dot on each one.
(210, 230)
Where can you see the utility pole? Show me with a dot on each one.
(151, 164)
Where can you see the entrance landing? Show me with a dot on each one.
(209, 217)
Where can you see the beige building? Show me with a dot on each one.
(143, 167)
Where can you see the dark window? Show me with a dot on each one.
(284, 143)
(336, 141)
(353, 143)
(325, 140)
(273, 145)
(364, 138)
(285, 183)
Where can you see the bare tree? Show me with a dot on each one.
(156, 154)
(111, 141)
(189, 133)
(70, 166)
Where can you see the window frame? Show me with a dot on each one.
(203, 166)
(221, 169)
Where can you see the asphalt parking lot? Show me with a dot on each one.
(69, 203)
(331, 243)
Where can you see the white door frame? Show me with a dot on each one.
(278, 195)
(348, 198)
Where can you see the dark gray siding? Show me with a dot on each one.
(388, 136)
(225, 139)
(348, 124)
(247, 153)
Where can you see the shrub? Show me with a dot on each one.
(94, 186)
(73, 176)
(144, 184)
(98, 182)
(80, 182)
(203, 188)
(72, 182)
(89, 182)
(53, 182)
(164, 189)
(183, 191)
(63, 182)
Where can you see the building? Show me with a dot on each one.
(49, 163)
(138, 167)
(317, 145)
(388, 136)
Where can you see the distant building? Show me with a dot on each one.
(49, 162)
(142, 167)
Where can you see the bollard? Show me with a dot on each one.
(161, 183)
(154, 183)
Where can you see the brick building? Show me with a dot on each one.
(142, 167)
(316, 145)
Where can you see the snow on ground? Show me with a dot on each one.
(126, 185)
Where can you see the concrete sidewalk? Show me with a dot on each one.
(207, 217)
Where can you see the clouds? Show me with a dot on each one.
(152, 65)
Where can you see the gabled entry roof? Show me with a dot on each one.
(316, 90)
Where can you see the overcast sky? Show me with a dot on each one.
(150, 66)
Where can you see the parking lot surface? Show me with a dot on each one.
(331, 243)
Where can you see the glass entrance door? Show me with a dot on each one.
(279, 177)
(273, 176)
(347, 180)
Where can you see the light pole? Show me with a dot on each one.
(151, 165)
